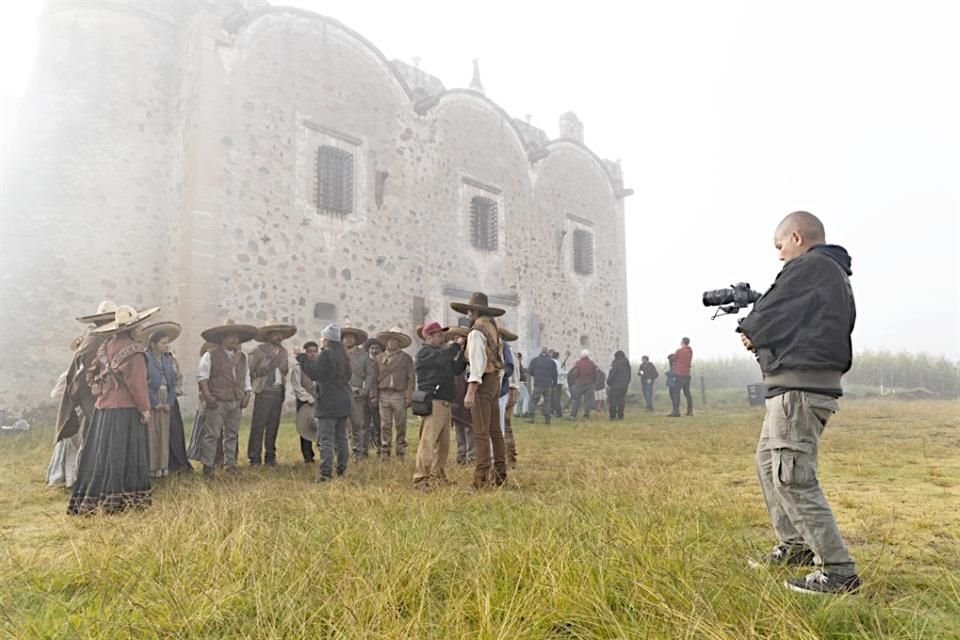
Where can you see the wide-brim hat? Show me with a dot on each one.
(479, 303)
(284, 329)
(127, 319)
(508, 335)
(360, 336)
(307, 426)
(247, 332)
(395, 332)
(458, 332)
(207, 346)
(373, 341)
(106, 312)
(171, 329)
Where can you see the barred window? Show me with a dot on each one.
(484, 225)
(583, 252)
(334, 180)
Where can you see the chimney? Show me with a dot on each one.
(570, 127)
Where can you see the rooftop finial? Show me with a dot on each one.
(475, 84)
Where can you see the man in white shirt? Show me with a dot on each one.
(225, 391)
(484, 355)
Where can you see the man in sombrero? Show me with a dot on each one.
(225, 390)
(363, 377)
(484, 356)
(77, 400)
(373, 348)
(395, 383)
(269, 366)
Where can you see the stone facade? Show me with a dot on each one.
(168, 155)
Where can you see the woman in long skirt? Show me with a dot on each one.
(114, 466)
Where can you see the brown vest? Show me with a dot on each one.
(488, 327)
(223, 384)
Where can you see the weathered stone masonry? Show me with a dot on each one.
(168, 155)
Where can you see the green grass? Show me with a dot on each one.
(631, 530)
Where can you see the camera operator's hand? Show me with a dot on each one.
(747, 344)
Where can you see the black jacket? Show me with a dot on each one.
(620, 373)
(648, 371)
(438, 366)
(801, 326)
(333, 393)
(543, 370)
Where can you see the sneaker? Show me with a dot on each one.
(825, 584)
(784, 556)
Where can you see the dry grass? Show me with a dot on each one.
(630, 530)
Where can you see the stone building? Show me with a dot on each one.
(232, 159)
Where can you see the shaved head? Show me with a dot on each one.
(796, 234)
(804, 223)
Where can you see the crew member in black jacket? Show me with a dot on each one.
(800, 332)
(543, 370)
(438, 363)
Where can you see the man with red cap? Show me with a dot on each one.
(438, 363)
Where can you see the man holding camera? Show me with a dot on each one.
(800, 332)
(438, 363)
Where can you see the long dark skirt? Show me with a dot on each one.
(178, 447)
(114, 467)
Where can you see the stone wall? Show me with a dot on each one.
(205, 143)
(86, 208)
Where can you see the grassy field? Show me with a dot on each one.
(630, 530)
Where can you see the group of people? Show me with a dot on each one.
(592, 388)
(119, 423)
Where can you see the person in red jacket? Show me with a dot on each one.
(681, 367)
(584, 379)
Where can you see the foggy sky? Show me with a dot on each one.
(726, 116)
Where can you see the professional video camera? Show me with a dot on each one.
(730, 300)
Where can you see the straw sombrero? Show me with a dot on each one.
(395, 332)
(508, 335)
(105, 313)
(360, 336)
(171, 329)
(307, 426)
(284, 329)
(478, 302)
(247, 332)
(127, 318)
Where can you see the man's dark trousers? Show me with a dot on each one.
(617, 399)
(538, 393)
(683, 382)
(267, 406)
(582, 393)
